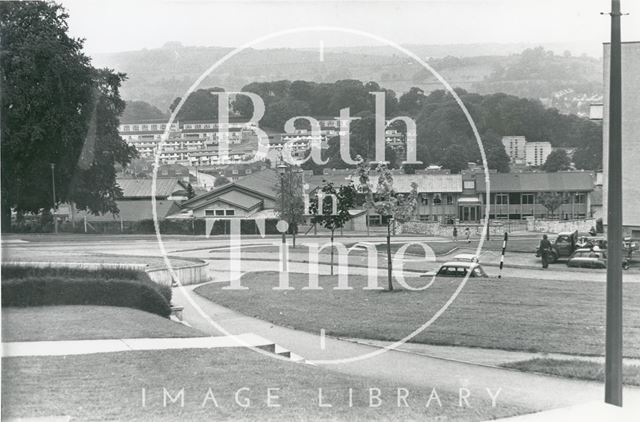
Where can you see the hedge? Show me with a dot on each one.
(30, 286)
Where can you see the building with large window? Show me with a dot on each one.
(516, 196)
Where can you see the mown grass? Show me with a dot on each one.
(574, 368)
(44, 323)
(509, 314)
(109, 387)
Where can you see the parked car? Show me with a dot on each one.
(563, 246)
(458, 269)
(592, 258)
(466, 257)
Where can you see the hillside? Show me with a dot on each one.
(160, 75)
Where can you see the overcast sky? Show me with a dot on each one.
(121, 25)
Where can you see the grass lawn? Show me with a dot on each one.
(510, 314)
(86, 322)
(109, 387)
(574, 368)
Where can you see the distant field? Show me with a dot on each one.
(86, 322)
(510, 314)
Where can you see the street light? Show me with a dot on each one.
(53, 191)
(282, 169)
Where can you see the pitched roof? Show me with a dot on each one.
(536, 182)
(141, 188)
(427, 183)
(239, 199)
(259, 185)
(135, 210)
(265, 182)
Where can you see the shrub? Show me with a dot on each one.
(33, 286)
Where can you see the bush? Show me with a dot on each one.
(31, 286)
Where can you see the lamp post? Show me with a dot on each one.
(282, 168)
(613, 342)
(53, 191)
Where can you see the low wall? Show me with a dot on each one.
(442, 230)
(558, 226)
(187, 274)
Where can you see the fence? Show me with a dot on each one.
(190, 226)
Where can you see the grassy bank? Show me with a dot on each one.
(574, 368)
(509, 314)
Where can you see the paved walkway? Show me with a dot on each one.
(481, 356)
(524, 389)
(85, 347)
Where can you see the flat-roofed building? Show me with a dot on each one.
(630, 136)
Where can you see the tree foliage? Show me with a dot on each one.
(344, 196)
(550, 200)
(289, 204)
(136, 111)
(57, 109)
(201, 104)
(558, 160)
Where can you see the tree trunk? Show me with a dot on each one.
(389, 262)
(331, 252)
(6, 218)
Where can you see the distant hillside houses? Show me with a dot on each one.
(196, 143)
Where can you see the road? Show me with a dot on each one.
(16, 247)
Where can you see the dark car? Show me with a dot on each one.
(458, 269)
(591, 258)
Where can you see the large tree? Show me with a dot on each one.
(56, 110)
(558, 160)
(136, 111)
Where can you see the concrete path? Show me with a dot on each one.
(529, 390)
(481, 356)
(85, 347)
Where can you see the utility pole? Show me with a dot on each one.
(53, 191)
(613, 349)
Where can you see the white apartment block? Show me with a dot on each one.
(515, 147)
(536, 153)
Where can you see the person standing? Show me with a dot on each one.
(455, 234)
(545, 251)
(467, 234)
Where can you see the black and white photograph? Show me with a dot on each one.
(358, 210)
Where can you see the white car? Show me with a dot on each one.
(458, 269)
(466, 257)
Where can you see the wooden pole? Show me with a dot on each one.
(613, 347)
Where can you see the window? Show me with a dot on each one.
(449, 199)
(579, 198)
(229, 212)
(469, 184)
(424, 199)
(437, 200)
(502, 199)
(219, 212)
(208, 213)
(527, 199)
(375, 220)
(424, 217)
